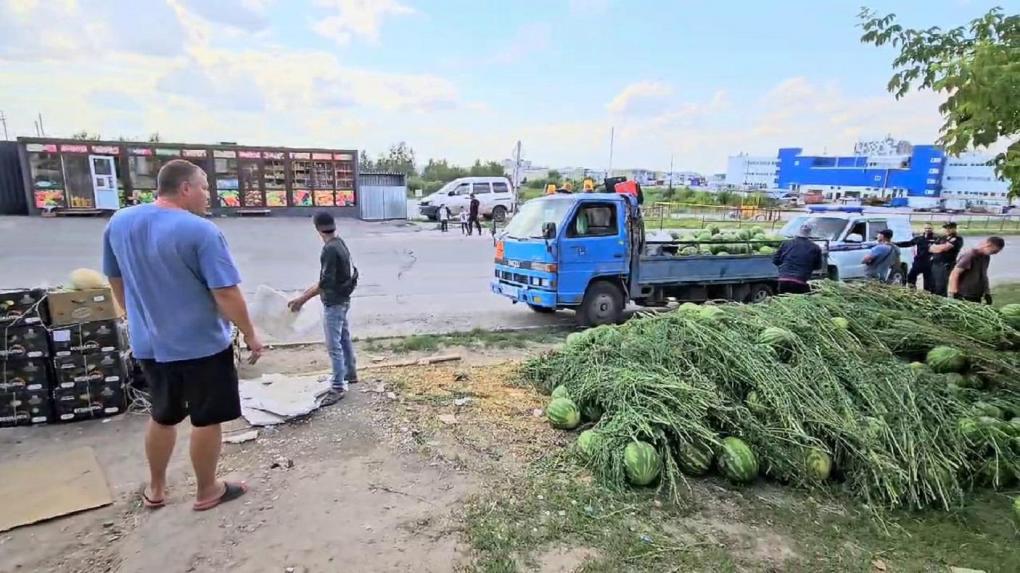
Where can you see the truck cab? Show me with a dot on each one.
(850, 233)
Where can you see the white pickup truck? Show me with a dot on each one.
(851, 234)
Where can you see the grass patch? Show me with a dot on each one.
(765, 527)
(477, 338)
(1008, 293)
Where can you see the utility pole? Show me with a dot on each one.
(612, 136)
(671, 173)
(35, 122)
(3, 121)
(517, 165)
(42, 130)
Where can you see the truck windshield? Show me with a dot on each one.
(533, 215)
(827, 228)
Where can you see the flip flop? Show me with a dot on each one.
(231, 491)
(151, 503)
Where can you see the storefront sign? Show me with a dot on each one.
(327, 156)
(274, 155)
(164, 152)
(221, 154)
(249, 154)
(194, 153)
(106, 149)
(342, 157)
(300, 155)
(140, 151)
(69, 148)
(41, 148)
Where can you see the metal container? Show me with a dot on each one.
(382, 196)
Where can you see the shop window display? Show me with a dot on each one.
(47, 179)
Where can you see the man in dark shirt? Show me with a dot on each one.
(922, 259)
(473, 215)
(338, 278)
(969, 279)
(797, 259)
(944, 253)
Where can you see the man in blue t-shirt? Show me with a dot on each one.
(882, 257)
(171, 270)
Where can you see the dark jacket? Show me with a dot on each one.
(338, 276)
(473, 209)
(798, 259)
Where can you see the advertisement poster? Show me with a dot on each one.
(49, 198)
(229, 198)
(302, 198)
(323, 198)
(276, 198)
(345, 198)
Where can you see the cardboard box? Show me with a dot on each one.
(23, 307)
(74, 401)
(20, 375)
(89, 338)
(25, 407)
(20, 342)
(77, 306)
(109, 367)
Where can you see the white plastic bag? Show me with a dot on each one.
(271, 315)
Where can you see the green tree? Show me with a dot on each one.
(364, 163)
(487, 169)
(84, 135)
(155, 138)
(399, 159)
(554, 176)
(976, 66)
(441, 170)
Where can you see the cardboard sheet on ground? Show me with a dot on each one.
(275, 398)
(50, 486)
(271, 315)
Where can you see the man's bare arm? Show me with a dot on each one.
(231, 305)
(117, 285)
(954, 281)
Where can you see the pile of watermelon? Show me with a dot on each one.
(714, 241)
(900, 398)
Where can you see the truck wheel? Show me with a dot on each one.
(499, 213)
(541, 309)
(759, 292)
(602, 304)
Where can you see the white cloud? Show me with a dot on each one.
(248, 15)
(361, 18)
(640, 97)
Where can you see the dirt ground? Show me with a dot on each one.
(370, 489)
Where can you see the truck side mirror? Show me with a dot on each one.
(452, 193)
(854, 238)
(549, 231)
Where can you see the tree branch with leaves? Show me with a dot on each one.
(976, 66)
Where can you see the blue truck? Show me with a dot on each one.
(589, 253)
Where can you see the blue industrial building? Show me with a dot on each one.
(915, 175)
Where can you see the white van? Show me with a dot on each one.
(850, 234)
(495, 195)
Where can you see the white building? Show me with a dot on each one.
(752, 172)
(971, 177)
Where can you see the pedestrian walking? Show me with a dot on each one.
(797, 258)
(170, 268)
(444, 218)
(473, 216)
(338, 277)
(922, 259)
(969, 278)
(882, 258)
(944, 253)
(464, 230)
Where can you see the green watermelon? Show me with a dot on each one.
(1011, 313)
(736, 461)
(641, 463)
(818, 465)
(744, 234)
(956, 379)
(689, 307)
(1016, 507)
(1013, 427)
(990, 410)
(695, 459)
(874, 428)
(943, 359)
(766, 250)
(754, 403)
(563, 414)
(722, 253)
(918, 367)
(841, 323)
(704, 236)
(560, 392)
(969, 428)
(689, 251)
(587, 442)
(575, 337)
(757, 230)
(710, 312)
(779, 339)
(591, 412)
(974, 381)
(714, 229)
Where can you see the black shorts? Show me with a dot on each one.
(204, 388)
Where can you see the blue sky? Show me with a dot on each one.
(695, 81)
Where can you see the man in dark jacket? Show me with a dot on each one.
(338, 278)
(944, 253)
(797, 259)
(473, 215)
(922, 260)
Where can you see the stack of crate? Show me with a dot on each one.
(90, 354)
(25, 376)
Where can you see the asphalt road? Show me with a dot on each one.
(414, 279)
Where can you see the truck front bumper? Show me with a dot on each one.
(519, 293)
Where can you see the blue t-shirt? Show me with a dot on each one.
(169, 259)
(883, 257)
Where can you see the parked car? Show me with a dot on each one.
(850, 234)
(495, 195)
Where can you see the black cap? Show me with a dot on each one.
(887, 233)
(949, 225)
(324, 222)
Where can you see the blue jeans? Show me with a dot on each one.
(339, 346)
